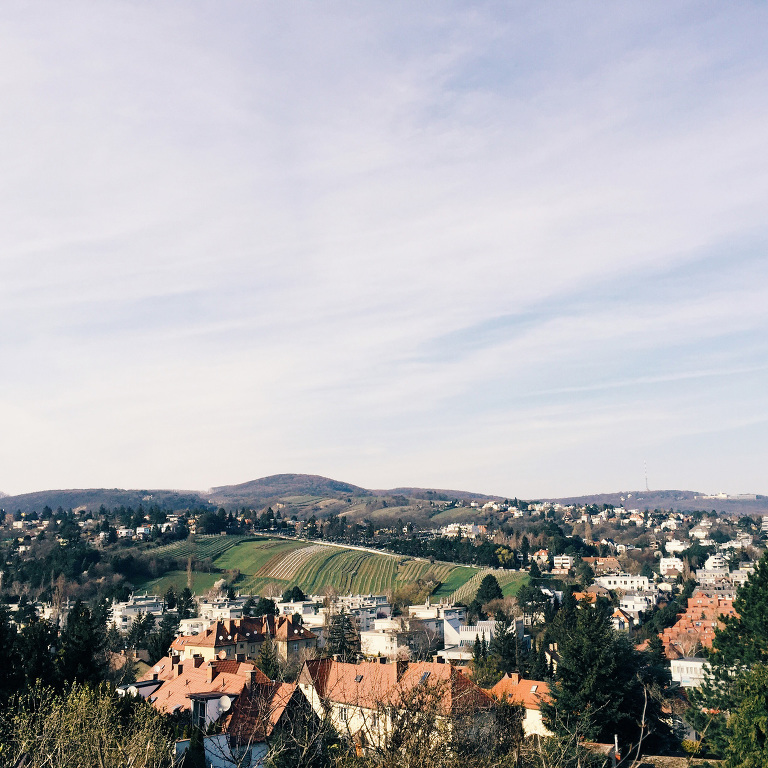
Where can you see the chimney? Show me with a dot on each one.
(438, 659)
(179, 669)
(155, 676)
(212, 672)
(197, 660)
(382, 659)
(239, 657)
(401, 667)
(252, 678)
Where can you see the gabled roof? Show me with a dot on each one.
(248, 630)
(373, 685)
(257, 711)
(529, 693)
(214, 677)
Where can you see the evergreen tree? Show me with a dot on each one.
(742, 644)
(503, 645)
(597, 688)
(170, 598)
(159, 642)
(477, 650)
(342, 638)
(489, 590)
(80, 657)
(9, 671)
(185, 603)
(268, 661)
(747, 745)
(265, 607)
(34, 650)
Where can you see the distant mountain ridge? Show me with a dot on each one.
(262, 491)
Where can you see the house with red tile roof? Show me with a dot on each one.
(695, 628)
(360, 698)
(241, 700)
(233, 638)
(529, 694)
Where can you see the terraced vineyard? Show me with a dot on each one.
(276, 564)
(201, 547)
(509, 581)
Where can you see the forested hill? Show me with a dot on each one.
(682, 500)
(280, 486)
(93, 498)
(303, 493)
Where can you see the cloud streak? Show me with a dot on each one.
(506, 248)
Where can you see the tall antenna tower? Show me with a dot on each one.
(645, 466)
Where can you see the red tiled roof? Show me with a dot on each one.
(248, 630)
(225, 677)
(258, 710)
(372, 685)
(529, 693)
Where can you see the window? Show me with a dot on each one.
(358, 678)
(343, 714)
(295, 647)
(374, 720)
(198, 713)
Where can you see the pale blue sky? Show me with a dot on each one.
(511, 248)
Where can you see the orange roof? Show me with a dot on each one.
(248, 630)
(258, 710)
(179, 681)
(529, 693)
(372, 685)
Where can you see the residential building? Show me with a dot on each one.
(624, 581)
(230, 697)
(528, 693)
(689, 671)
(360, 698)
(244, 637)
(668, 564)
(123, 614)
(695, 628)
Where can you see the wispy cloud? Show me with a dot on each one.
(506, 248)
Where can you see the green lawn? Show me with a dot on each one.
(457, 577)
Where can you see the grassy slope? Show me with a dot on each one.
(282, 563)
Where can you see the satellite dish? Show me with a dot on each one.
(224, 703)
(133, 690)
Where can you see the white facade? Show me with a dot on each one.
(123, 614)
(623, 581)
(563, 562)
(667, 564)
(689, 671)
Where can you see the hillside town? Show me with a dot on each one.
(235, 671)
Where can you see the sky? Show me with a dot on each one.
(510, 248)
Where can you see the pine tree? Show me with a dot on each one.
(268, 661)
(80, 656)
(503, 645)
(596, 681)
(489, 590)
(742, 644)
(342, 638)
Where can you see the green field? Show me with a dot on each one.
(201, 547)
(178, 580)
(275, 564)
(509, 581)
